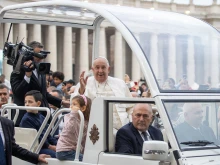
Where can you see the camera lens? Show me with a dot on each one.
(43, 68)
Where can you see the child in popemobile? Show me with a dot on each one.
(66, 146)
(33, 119)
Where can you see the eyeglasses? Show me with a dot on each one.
(145, 116)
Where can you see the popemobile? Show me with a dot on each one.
(193, 57)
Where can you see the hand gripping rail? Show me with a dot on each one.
(9, 112)
(78, 147)
(32, 108)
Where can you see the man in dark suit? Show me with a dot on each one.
(192, 129)
(8, 147)
(130, 138)
(25, 81)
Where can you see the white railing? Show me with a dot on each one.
(78, 147)
(56, 125)
(50, 127)
(8, 114)
(36, 109)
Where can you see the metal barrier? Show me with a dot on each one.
(36, 109)
(56, 125)
(78, 147)
(50, 127)
(9, 112)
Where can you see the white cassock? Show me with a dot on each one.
(113, 87)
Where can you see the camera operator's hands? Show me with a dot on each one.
(28, 64)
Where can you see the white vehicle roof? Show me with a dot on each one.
(192, 57)
(193, 53)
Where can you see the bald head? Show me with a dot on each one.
(146, 107)
(193, 114)
(142, 116)
(188, 107)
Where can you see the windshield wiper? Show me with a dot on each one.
(198, 143)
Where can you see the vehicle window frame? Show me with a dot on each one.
(107, 106)
(164, 101)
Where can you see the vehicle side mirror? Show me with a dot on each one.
(155, 150)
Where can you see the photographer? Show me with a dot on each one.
(28, 79)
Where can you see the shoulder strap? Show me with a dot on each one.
(18, 65)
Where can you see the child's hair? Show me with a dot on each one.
(58, 75)
(36, 94)
(84, 101)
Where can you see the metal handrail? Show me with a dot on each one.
(56, 125)
(9, 112)
(81, 128)
(37, 109)
(50, 127)
(78, 147)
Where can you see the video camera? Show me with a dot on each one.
(17, 54)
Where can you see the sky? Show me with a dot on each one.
(196, 2)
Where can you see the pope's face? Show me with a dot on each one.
(100, 70)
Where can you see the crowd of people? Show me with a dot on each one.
(32, 89)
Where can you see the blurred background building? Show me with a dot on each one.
(71, 48)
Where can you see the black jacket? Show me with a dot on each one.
(20, 87)
(31, 120)
(11, 147)
(129, 140)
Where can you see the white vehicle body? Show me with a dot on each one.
(133, 23)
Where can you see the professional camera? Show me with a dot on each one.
(17, 54)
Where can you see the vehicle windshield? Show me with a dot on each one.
(183, 52)
(195, 124)
(62, 14)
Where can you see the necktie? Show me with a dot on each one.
(2, 152)
(145, 136)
